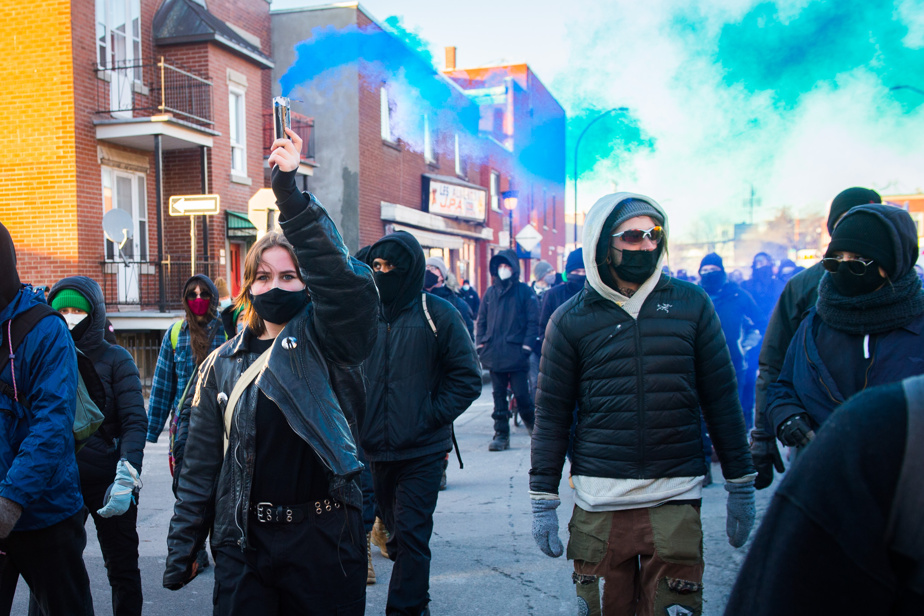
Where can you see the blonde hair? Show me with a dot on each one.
(252, 263)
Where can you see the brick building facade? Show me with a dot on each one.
(378, 173)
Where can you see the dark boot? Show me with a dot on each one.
(500, 443)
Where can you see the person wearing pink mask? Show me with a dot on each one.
(181, 353)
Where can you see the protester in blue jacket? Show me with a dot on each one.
(42, 532)
(866, 328)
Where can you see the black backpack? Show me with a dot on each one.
(91, 395)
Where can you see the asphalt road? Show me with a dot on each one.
(484, 557)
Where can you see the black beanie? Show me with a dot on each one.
(575, 260)
(624, 210)
(712, 259)
(847, 199)
(9, 281)
(867, 235)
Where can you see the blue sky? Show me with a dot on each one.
(790, 96)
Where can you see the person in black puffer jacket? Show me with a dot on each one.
(422, 373)
(119, 440)
(559, 294)
(506, 333)
(640, 354)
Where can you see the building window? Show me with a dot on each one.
(428, 141)
(118, 34)
(237, 132)
(127, 191)
(554, 214)
(385, 107)
(460, 169)
(495, 191)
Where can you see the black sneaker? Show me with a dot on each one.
(500, 442)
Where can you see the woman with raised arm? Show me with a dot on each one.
(270, 466)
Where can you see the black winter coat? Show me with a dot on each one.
(639, 386)
(508, 320)
(125, 425)
(314, 376)
(418, 381)
(460, 304)
(555, 297)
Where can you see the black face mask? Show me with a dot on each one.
(389, 284)
(577, 280)
(430, 280)
(713, 281)
(637, 266)
(851, 285)
(763, 274)
(279, 306)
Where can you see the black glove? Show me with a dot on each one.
(796, 431)
(766, 457)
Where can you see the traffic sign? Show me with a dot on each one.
(528, 237)
(194, 205)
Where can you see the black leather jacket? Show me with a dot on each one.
(313, 374)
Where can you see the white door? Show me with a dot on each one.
(127, 191)
(125, 46)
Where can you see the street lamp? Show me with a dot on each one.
(510, 203)
(591, 123)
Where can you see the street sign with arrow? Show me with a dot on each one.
(194, 205)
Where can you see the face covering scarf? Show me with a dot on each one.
(389, 284)
(199, 306)
(279, 306)
(713, 281)
(637, 266)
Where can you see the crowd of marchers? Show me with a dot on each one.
(312, 416)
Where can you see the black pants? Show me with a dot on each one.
(519, 383)
(51, 561)
(406, 492)
(316, 567)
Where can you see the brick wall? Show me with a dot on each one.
(37, 143)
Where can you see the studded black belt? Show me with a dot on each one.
(268, 513)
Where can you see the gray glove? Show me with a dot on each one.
(9, 515)
(740, 512)
(545, 527)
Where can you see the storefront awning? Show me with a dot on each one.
(428, 239)
(239, 226)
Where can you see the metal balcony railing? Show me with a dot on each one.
(141, 88)
(133, 285)
(301, 124)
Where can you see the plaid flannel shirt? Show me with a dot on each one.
(173, 370)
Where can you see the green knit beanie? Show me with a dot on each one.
(69, 298)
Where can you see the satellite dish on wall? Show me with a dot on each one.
(118, 225)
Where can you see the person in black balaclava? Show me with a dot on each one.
(558, 295)
(798, 296)
(865, 329)
(742, 321)
(42, 533)
(422, 373)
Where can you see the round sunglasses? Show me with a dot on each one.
(857, 267)
(637, 236)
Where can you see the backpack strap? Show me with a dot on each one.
(14, 332)
(423, 300)
(175, 334)
(905, 532)
(242, 383)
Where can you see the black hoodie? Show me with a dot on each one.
(418, 382)
(124, 428)
(9, 281)
(404, 252)
(508, 320)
